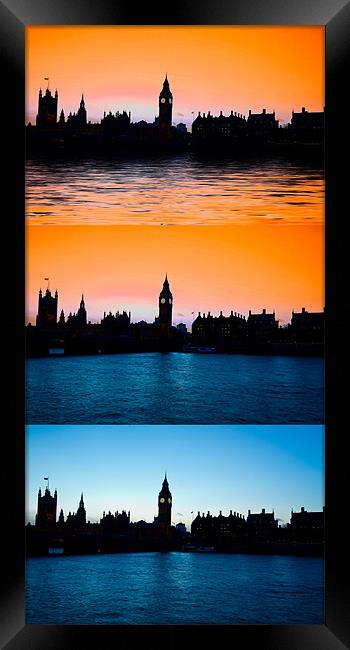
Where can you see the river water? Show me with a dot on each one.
(175, 588)
(175, 388)
(173, 190)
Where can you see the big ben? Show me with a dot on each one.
(165, 307)
(164, 506)
(165, 109)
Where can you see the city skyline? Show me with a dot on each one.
(209, 269)
(200, 63)
(208, 467)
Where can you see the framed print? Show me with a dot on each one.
(178, 270)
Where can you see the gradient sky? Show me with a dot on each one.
(210, 268)
(208, 467)
(209, 68)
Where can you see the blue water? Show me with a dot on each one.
(175, 588)
(175, 388)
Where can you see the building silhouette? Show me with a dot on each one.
(77, 320)
(47, 309)
(115, 532)
(47, 509)
(164, 508)
(115, 131)
(118, 323)
(307, 126)
(76, 120)
(236, 333)
(262, 127)
(261, 526)
(165, 308)
(116, 125)
(209, 129)
(306, 526)
(47, 109)
(307, 327)
(262, 327)
(81, 512)
(165, 109)
(209, 329)
(210, 530)
(117, 524)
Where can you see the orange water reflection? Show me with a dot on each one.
(173, 191)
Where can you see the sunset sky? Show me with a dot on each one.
(210, 268)
(208, 467)
(209, 68)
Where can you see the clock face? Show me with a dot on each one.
(170, 100)
(162, 500)
(170, 301)
(169, 500)
(162, 300)
(163, 100)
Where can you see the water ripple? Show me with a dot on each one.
(179, 190)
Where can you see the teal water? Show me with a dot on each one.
(175, 588)
(175, 388)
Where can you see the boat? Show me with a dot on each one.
(55, 550)
(206, 350)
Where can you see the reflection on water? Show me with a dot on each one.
(174, 588)
(175, 388)
(175, 190)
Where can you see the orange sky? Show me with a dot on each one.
(209, 68)
(209, 268)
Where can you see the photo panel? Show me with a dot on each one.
(175, 525)
(191, 324)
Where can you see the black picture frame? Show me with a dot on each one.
(15, 15)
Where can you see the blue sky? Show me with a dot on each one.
(209, 467)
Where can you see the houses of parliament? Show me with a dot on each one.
(116, 131)
(74, 534)
(256, 333)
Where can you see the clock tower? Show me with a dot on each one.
(165, 307)
(164, 506)
(165, 109)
